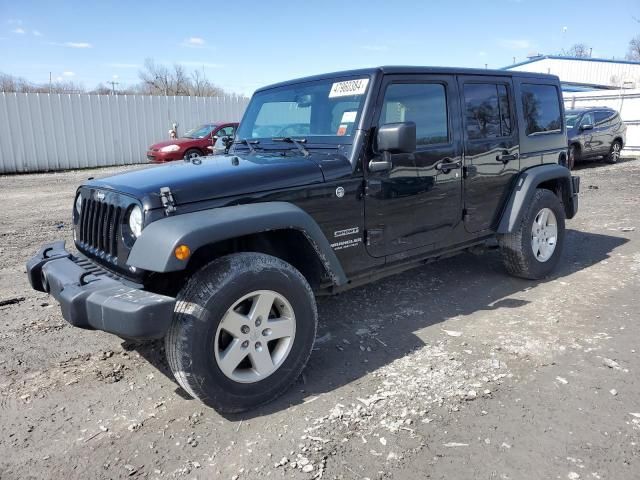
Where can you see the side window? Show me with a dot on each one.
(228, 131)
(541, 108)
(422, 103)
(587, 119)
(487, 112)
(602, 117)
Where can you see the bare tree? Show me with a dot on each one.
(202, 87)
(10, 83)
(161, 80)
(155, 79)
(579, 50)
(634, 49)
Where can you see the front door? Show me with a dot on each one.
(491, 148)
(417, 202)
(587, 135)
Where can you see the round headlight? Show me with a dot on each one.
(79, 204)
(135, 221)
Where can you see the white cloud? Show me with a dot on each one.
(19, 31)
(76, 45)
(515, 44)
(68, 74)
(37, 33)
(194, 42)
(482, 54)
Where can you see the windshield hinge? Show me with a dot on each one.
(168, 203)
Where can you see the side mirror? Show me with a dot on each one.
(586, 126)
(397, 137)
(393, 138)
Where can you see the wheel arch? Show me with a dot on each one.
(277, 228)
(553, 177)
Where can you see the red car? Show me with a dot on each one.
(192, 144)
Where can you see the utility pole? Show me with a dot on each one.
(113, 86)
(49, 83)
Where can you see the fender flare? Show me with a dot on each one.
(154, 249)
(525, 187)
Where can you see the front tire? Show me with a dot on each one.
(533, 249)
(573, 155)
(192, 153)
(242, 331)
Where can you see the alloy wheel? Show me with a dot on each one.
(255, 336)
(544, 234)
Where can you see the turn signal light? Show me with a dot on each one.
(182, 252)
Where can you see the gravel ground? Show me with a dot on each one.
(454, 370)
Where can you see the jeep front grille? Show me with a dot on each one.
(99, 227)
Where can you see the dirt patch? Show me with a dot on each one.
(453, 370)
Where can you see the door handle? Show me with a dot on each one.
(446, 165)
(505, 157)
(379, 166)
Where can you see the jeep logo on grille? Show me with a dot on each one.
(99, 196)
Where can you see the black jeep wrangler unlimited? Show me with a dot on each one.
(332, 181)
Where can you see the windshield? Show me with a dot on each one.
(572, 119)
(199, 132)
(326, 109)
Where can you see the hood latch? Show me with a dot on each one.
(168, 203)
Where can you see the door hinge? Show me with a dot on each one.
(168, 203)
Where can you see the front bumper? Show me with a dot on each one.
(94, 299)
(162, 157)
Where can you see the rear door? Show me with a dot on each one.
(417, 202)
(602, 136)
(491, 147)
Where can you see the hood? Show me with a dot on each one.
(175, 141)
(212, 177)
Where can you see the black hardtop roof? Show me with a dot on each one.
(400, 69)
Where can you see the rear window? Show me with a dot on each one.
(603, 117)
(487, 112)
(541, 107)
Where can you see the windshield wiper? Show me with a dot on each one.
(296, 141)
(248, 143)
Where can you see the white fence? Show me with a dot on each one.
(627, 102)
(40, 132)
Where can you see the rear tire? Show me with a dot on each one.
(534, 248)
(614, 152)
(223, 364)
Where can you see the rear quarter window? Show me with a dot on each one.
(541, 109)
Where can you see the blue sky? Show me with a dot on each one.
(242, 45)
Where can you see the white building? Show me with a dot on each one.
(584, 72)
(594, 82)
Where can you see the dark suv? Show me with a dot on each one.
(332, 181)
(594, 133)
